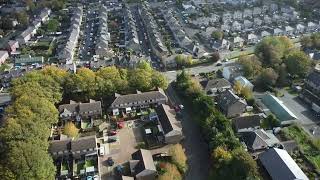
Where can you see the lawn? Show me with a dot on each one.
(90, 163)
(307, 145)
(80, 166)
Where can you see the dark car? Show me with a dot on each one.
(110, 161)
(219, 64)
(112, 139)
(112, 133)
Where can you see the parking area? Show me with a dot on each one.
(121, 150)
(308, 119)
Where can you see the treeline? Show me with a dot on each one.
(229, 159)
(276, 61)
(24, 134)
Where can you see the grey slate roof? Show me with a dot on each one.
(88, 142)
(59, 146)
(245, 122)
(314, 78)
(167, 118)
(280, 165)
(227, 98)
(258, 139)
(125, 100)
(92, 106)
(145, 161)
(215, 83)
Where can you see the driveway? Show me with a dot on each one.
(197, 149)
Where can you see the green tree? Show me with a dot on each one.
(118, 78)
(140, 79)
(218, 35)
(22, 18)
(70, 130)
(85, 82)
(29, 161)
(158, 80)
(53, 25)
(270, 122)
(267, 78)
(298, 63)
(251, 66)
(271, 50)
(242, 165)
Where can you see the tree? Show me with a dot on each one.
(118, 78)
(215, 57)
(251, 66)
(70, 130)
(179, 157)
(246, 92)
(85, 82)
(53, 25)
(270, 122)
(271, 50)
(237, 87)
(22, 18)
(220, 156)
(267, 78)
(298, 63)
(183, 60)
(242, 165)
(170, 172)
(29, 161)
(140, 79)
(217, 35)
(158, 80)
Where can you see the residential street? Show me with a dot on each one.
(196, 148)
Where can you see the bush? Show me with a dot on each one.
(170, 172)
(178, 157)
(70, 130)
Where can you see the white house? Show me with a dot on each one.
(4, 55)
(244, 82)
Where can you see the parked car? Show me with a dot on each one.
(110, 161)
(101, 151)
(112, 139)
(112, 133)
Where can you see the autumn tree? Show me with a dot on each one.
(267, 78)
(251, 66)
(70, 130)
(170, 172)
(237, 87)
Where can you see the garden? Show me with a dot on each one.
(309, 149)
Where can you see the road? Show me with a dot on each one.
(197, 149)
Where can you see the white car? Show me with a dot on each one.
(101, 151)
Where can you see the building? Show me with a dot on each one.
(280, 165)
(221, 45)
(129, 102)
(277, 32)
(4, 55)
(231, 104)
(103, 36)
(238, 42)
(78, 111)
(246, 123)
(26, 35)
(170, 126)
(252, 38)
(211, 87)
(231, 72)
(278, 109)
(28, 60)
(300, 29)
(12, 46)
(265, 34)
(244, 82)
(258, 139)
(311, 91)
(142, 165)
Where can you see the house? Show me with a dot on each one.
(311, 27)
(256, 11)
(142, 165)
(265, 34)
(280, 165)
(222, 44)
(258, 139)
(77, 111)
(225, 27)
(26, 35)
(310, 93)
(247, 24)
(257, 22)
(300, 29)
(287, 9)
(267, 20)
(211, 87)
(247, 13)
(274, 7)
(170, 126)
(4, 55)
(12, 46)
(236, 26)
(246, 123)
(244, 82)
(278, 109)
(276, 18)
(288, 30)
(76, 148)
(232, 71)
(277, 32)
(237, 15)
(231, 104)
(126, 103)
(252, 38)
(238, 42)
(226, 17)
(265, 9)
(28, 60)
